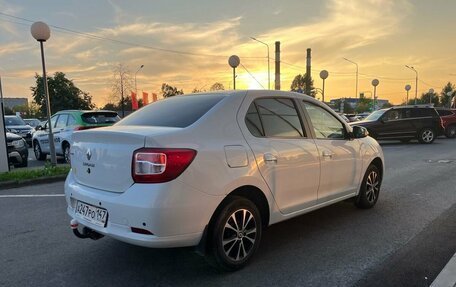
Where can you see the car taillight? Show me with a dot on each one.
(80, 128)
(156, 165)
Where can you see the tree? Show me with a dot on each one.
(217, 87)
(364, 104)
(426, 98)
(9, 111)
(169, 91)
(121, 86)
(299, 85)
(444, 98)
(118, 106)
(63, 94)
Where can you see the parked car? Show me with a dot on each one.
(64, 124)
(32, 122)
(17, 126)
(404, 123)
(362, 116)
(449, 121)
(352, 117)
(17, 150)
(212, 170)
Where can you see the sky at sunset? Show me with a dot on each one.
(380, 35)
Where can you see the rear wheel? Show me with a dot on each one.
(370, 188)
(451, 132)
(39, 155)
(235, 234)
(66, 152)
(426, 136)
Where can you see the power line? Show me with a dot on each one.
(252, 75)
(97, 37)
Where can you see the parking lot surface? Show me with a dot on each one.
(404, 241)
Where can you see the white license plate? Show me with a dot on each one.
(93, 214)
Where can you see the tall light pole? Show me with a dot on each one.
(323, 75)
(234, 61)
(269, 71)
(375, 83)
(356, 64)
(4, 160)
(431, 92)
(407, 88)
(136, 89)
(416, 80)
(41, 32)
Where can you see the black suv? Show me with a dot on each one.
(404, 123)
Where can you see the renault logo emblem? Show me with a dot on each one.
(89, 154)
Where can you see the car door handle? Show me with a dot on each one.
(269, 157)
(327, 154)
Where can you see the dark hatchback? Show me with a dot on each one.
(17, 150)
(17, 126)
(404, 123)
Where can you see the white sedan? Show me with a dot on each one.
(213, 170)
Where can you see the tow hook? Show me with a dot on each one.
(86, 232)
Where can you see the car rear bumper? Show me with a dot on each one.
(174, 213)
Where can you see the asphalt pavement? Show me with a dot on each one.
(405, 240)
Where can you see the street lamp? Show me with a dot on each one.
(136, 89)
(431, 92)
(407, 88)
(375, 83)
(269, 70)
(323, 75)
(356, 92)
(234, 61)
(416, 80)
(41, 32)
(450, 98)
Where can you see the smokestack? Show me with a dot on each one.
(308, 71)
(277, 65)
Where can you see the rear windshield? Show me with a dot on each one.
(177, 111)
(14, 121)
(100, 118)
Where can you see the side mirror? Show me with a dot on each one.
(360, 132)
(38, 128)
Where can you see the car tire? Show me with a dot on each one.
(370, 188)
(234, 235)
(39, 155)
(66, 152)
(426, 136)
(451, 132)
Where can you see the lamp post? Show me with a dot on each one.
(375, 83)
(269, 71)
(234, 61)
(323, 75)
(356, 91)
(41, 32)
(431, 92)
(4, 160)
(416, 80)
(407, 88)
(450, 97)
(136, 89)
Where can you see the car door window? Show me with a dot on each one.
(278, 118)
(71, 121)
(325, 125)
(392, 115)
(61, 122)
(53, 121)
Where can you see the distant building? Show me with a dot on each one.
(14, 102)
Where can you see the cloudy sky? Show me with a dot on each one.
(380, 35)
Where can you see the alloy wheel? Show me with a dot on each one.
(372, 186)
(37, 151)
(239, 235)
(66, 154)
(427, 136)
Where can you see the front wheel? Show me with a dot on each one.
(451, 132)
(426, 136)
(370, 188)
(235, 234)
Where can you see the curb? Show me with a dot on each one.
(447, 277)
(40, 180)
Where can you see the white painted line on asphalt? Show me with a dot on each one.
(30, 195)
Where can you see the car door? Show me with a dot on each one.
(43, 137)
(59, 132)
(286, 156)
(340, 161)
(396, 123)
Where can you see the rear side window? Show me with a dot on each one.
(422, 112)
(177, 111)
(62, 121)
(100, 118)
(274, 117)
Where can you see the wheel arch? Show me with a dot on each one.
(379, 164)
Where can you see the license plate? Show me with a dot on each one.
(93, 214)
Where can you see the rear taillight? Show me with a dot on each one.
(156, 165)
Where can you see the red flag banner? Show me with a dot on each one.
(154, 97)
(145, 98)
(134, 101)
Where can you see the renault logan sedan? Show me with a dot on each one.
(213, 170)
